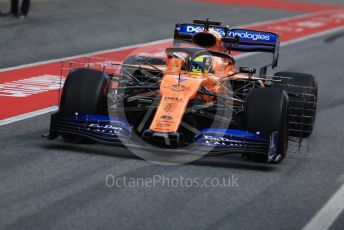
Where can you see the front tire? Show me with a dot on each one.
(84, 93)
(267, 112)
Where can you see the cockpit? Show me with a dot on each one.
(198, 60)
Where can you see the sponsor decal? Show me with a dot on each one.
(173, 99)
(253, 36)
(221, 141)
(169, 107)
(193, 29)
(246, 35)
(108, 129)
(166, 117)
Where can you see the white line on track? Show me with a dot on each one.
(28, 115)
(328, 214)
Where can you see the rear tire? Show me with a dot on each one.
(267, 112)
(302, 108)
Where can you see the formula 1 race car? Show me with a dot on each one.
(193, 99)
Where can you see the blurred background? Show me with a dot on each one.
(60, 28)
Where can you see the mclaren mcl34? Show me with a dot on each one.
(195, 98)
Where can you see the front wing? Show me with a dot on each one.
(117, 132)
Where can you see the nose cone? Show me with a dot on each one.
(167, 139)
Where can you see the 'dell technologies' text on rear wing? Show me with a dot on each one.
(248, 40)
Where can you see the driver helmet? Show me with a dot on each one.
(201, 64)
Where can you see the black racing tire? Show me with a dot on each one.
(266, 111)
(84, 92)
(303, 94)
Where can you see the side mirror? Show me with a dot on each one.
(248, 70)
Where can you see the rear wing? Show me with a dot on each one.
(248, 40)
(256, 41)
